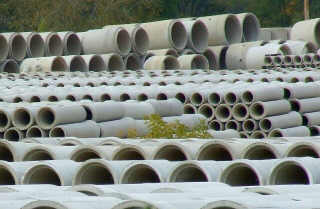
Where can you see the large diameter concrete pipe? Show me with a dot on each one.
(13, 151)
(35, 44)
(194, 61)
(170, 151)
(97, 111)
(13, 134)
(306, 105)
(216, 125)
(247, 172)
(17, 46)
(292, 119)
(9, 66)
(130, 152)
(95, 62)
(53, 44)
(303, 149)
(295, 171)
(57, 172)
(6, 118)
(166, 108)
(299, 47)
(262, 95)
(307, 30)
(71, 43)
(264, 150)
(212, 59)
(86, 129)
(164, 52)
(76, 63)
(260, 110)
(118, 128)
(223, 29)
(137, 110)
(198, 35)
(4, 46)
(114, 62)
(49, 116)
(132, 62)
(44, 152)
(24, 117)
(250, 26)
(119, 43)
(311, 119)
(12, 172)
(174, 34)
(220, 52)
(299, 131)
(162, 63)
(83, 153)
(44, 64)
(240, 112)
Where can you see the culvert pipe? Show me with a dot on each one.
(247, 172)
(224, 134)
(119, 43)
(250, 26)
(9, 66)
(198, 98)
(43, 64)
(114, 62)
(71, 43)
(311, 119)
(264, 151)
(83, 153)
(4, 46)
(171, 151)
(240, 112)
(96, 111)
(129, 152)
(234, 125)
(164, 52)
(139, 38)
(17, 46)
(223, 29)
(13, 134)
(53, 44)
(198, 35)
(36, 132)
(295, 171)
(162, 63)
(289, 120)
(260, 110)
(298, 131)
(250, 125)
(24, 117)
(132, 62)
(76, 63)
(137, 110)
(283, 189)
(35, 44)
(13, 151)
(174, 34)
(299, 47)
(307, 59)
(262, 95)
(212, 59)
(303, 149)
(258, 134)
(277, 60)
(216, 125)
(95, 62)
(166, 108)
(45, 152)
(117, 128)
(302, 91)
(207, 110)
(306, 105)
(86, 129)
(190, 109)
(223, 113)
(307, 30)
(72, 141)
(57, 172)
(12, 172)
(194, 61)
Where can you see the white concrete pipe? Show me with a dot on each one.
(132, 62)
(284, 189)
(223, 29)
(234, 125)
(83, 153)
(97, 111)
(36, 131)
(307, 30)
(304, 149)
(35, 44)
(299, 47)
(217, 150)
(174, 34)
(277, 60)
(76, 63)
(95, 62)
(220, 52)
(240, 112)
(260, 110)
(57, 172)
(114, 62)
(194, 61)
(164, 52)
(216, 125)
(13, 134)
(170, 151)
(162, 63)
(258, 134)
(4, 46)
(71, 43)
(12, 172)
(311, 119)
(129, 152)
(45, 152)
(9, 66)
(139, 38)
(295, 171)
(53, 44)
(250, 26)
(250, 125)
(13, 151)
(86, 129)
(264, 150)
(198, 35)
(17, 46)
(223, 113)
(302, 91)
(289, 120)
(207, 110)
(225, 134)
(262, 95)
(190, 109)
(119, 43)
(212, 59)
(166, 108)
(43, 64)
(299, 131)
(137, 110)
(305, 105)
(24, 117)
(118, 128)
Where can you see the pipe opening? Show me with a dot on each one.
(133, 62)
(258, 135)
(87, 97)
(73, 44)
(289, 173)
(84, 155)
(19, 47)
(265, 124)
(231, 98)
(189, 109)
(4, 121)
(58, 65)
(105, 97)
(251, 28)
(232, 30)
(215, 98)
(17, 99)
(4, 48)
(162, 96)
(178, 35)
(42, 174)
(287, 60)
(128, 154)
(140, 173)
(35, 132)
(171, 153)
(97, 64)
(199, 62)
(314, 131)
(6, 177)
(240, 112)
(206, 110)
(141, 40)
(116, 63)
(22, 118)
(36, 46)
(199, 36)
(37, 154)
(10, 66)
(216, 125)
(5, 153)
(215, 152)
(46, 117)
(295, 105)
(124, 97)
(181, 97)
(170, 63)
(257, 109)
(287, 93)
(303, 151)
(197, 99)
(240, 175)
(78, 64)
(35, 99)
(268, 60)
(223, 112)
(12, 135)
(188, 173)
(247, 97)
(55, 46)
(71, 98)
(88, 112)
(249, 125)
(123, 41)
(88, 193)
(232, 124)
(260, 152)
(142, 97)
(212, 60)
(57, 132)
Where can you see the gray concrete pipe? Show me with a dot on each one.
(240, 112)
(37, 132)
(45, 140)
(132, 62)
(302, 91)
(262, 94)
(24, 117)
(199, 98)
(194, 61)
(9, 66)
(306, 105)
(299, 47)
(250, 26)
(171, 151)
(304, 148)
(307, 30)
(250, 125)
(118, 128)
(13, 134)
(234, 125)
(86, 129)
(71, 43)
(311, 119)
(162, 63)
(47, 152)
(114, 62)
(164, 52)
(83, 153)
(72, 141)
(258, 134)
(264, 150)
(137, 110)
(207, 110)
(298, 131)
(4, 46)
(95, 62)
(216, 125)
(224, 134)
(53, 44)
(212, 59)
(43, 64)
(223, 113)
(166, 108)
(260, 110)
(139, 38)
(17, 46)
(190, 109)
(76, 63)
(289, 120)
(35, 44)
(96, 111)
(12, 172)
(198, 35)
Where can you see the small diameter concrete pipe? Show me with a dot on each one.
(43, 65)
(262, 95)
(307, 30)
(250, 26)
(71, 43)
(95, 62)
(132, 62)
(24, 117)
(166, 108)
(207, 110)
(86, 129)
(260, 110)
(212, 59)
(9, 66)
(240, 112)
(114, 62)
(17, 46)
(250, 125)
(304, 149)
(223, 113)
(277, 60)
(226, 134)
(301, 47)
(162, 63)
(247, 172)
(311, 119)
(13, 134)
(234, 125)
(45, 152)
(97, 111)
(216, 125)
(4, 47)
(190, 109)
(76, 63)
(302, 91)
(12, 172)
(295, 171)
(198, 98)
(164, 52)
(173, 34)
(198, 35)
(299, 131)
(223, 29)
(194, 61)
(36, 132)
(117, 128)
(137, 110)
(119, 43)
(50, 116)
(53, 44)
(306, 105)
(292, 119)
(35, 44)
(220, 52)
(57, 172)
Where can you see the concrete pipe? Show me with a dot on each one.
(198, 35)
(212, 59)
(13, 151)
(195, 171)
(247, 172)
(35, 44)
(119, 43)
(292, 119)
(164, 52)
(95, 63)
(138, 110)
(17, 46)
(50, 116)
(36, 132)
(24, 117)
(57, 172)
(13, 134)
(299, 131)
(187, 52)
(46, 140)
(311, 119)
(83, 153)
(71, 43)
(44, 64)
(96, 111)
(198, 98)
(190, 109)
(4, 46)
(226, 134)
(250, 26)
(216, 125)
(216, 98)
(86, 129)
(114, 62)
(162, 63)
(232, 97)
(299, 47)
(76, 63)
(302, 91)
(166, 108)
(118, 128)
(223, 29)
(9, 66)
(72, 141)
(223, 113)
(155, 171)
(240, 112)
(194, 61)
(250, 125)
(45, 152)
(277, 60)
(307, 59)
(207, 110)
(305, 105)
(262, 95)
(258, 134)
(220, 52)
(171, 151)
(174, 34)
(139, 38)
(307, 30)
(53, 44)
(133, 62)
(217, 150)
(260, 110)
(263, 151)
(284, 189)
(12, 172)
(295, 171)
(234, 125)
(288, 60)
(303, 149)
(315, 130)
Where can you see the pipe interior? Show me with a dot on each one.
(249, 125)
(290, 174)
(128, 154)
(84, 155)
(171, 153)
(141, 40)
(179, 35)
(199, 62)
(105, 97)
(11, 67)
(216, 125)
(317, 33)
(303, 151)
(232, 124)
(4, 121)
(57, 132)
(42, 175)
(189, 174)
(215, 152)
(94, 173)
(133, 63)
(258, 135)
(260, 152)
(268, 60)
(38, 154)
(6, 154)
(251, 28)
(123, 41)
(199, 35)
(142, 97)
(35, 98)
(37, 46)
(78, 64)
(55, 46)
(73, 44)
(189, 109)
(12, 135)
(140, 174)
(240, 111)
(223, 112)
(19, 47)
(22, 118)
(6, 177)
(206, 110)
(124, 97)
(162, 96)
(241, 176)
(4, 48)
(46, 116)
(97, 64)
(214, 98)
(71, 98)
(211, 59)
(231, 98)
(257, 109)
(287, 60)
(232, 30)
(17, 99)
(197, 98)
(181, 97)
(58, 65)
(34, 132)
(116, 63)
(170, 63)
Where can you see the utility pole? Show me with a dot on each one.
(306, 10)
